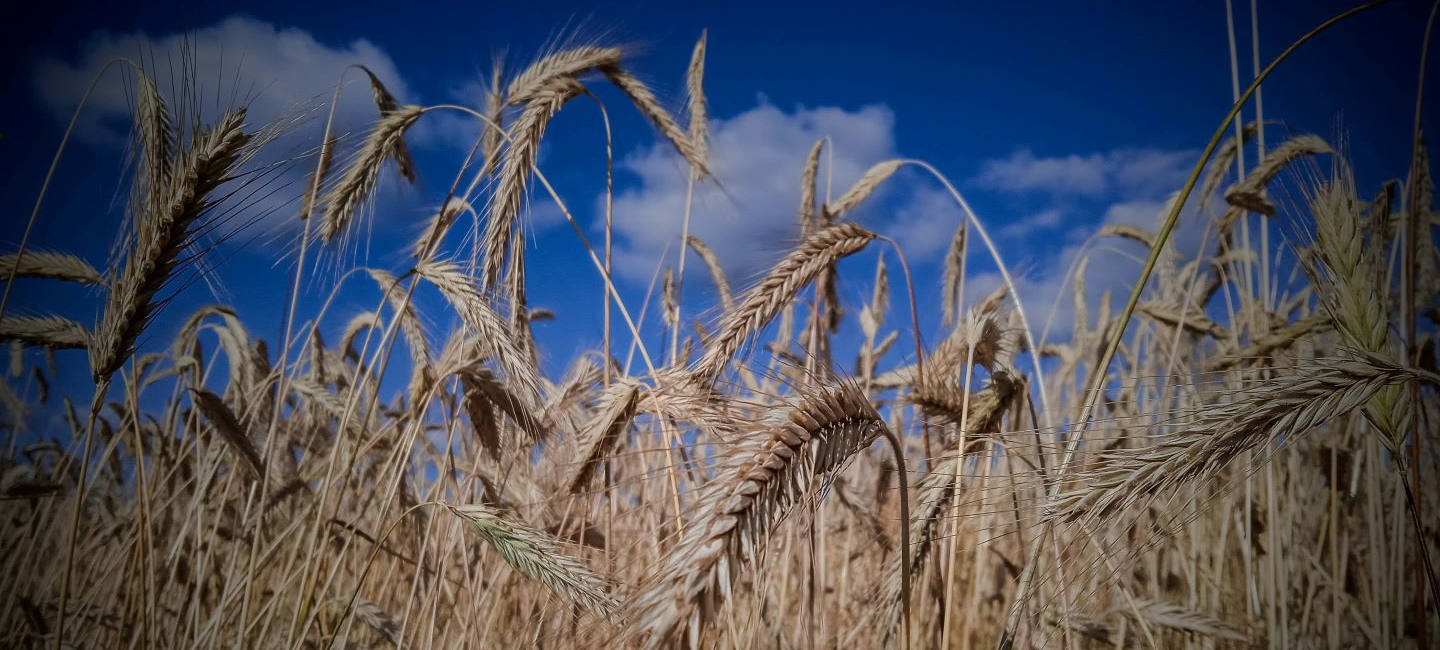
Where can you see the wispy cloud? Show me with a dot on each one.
(274, 71)
(1133, 171)
(1043, 222)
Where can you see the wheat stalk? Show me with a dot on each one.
(934, 491)
(317, 177)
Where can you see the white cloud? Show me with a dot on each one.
(1137, 171)
(277, 73)
(1135, 213)
(1114, 264)
(1044, 221)
(273, 70)
(1124, 186)
(921, 219)
(750, 217)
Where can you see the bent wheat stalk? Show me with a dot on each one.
(737, 511)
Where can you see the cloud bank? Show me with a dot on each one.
(283, 76)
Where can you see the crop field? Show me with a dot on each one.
(1236, 449)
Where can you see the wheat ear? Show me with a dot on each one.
(537, 555)
(1284, 409)
(45, 264)
(1250, 194)
(387, 104)
(699, 131)
(157, 142)
(51, 332)
(495, 110)
(159, 238)
(717, 272)
(489, 326)
(519, 159)
(225, 423)
(777, 289)
(645, 100)
(562, 65)
(1356, 312)
(863, 188)
(360, 177)
(603, 430)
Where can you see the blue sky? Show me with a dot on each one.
(1052, 118)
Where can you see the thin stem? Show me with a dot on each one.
(1413, 232)
(280, 365)
(901, 480)
(101, 388)
(679, 270)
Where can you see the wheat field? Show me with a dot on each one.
(1240, 451)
